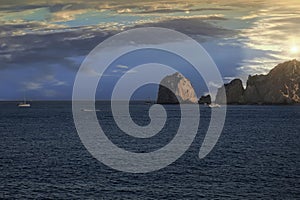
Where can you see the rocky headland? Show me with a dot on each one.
(279, 86)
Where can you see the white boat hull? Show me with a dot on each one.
(24, 105)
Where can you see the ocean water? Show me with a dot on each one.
(257, 156)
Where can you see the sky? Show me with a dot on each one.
(43, 43)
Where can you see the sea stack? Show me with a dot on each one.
(175, 89)
(205, 100)
(234, 93)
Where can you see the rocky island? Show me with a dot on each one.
(176, 89)
(280, 86)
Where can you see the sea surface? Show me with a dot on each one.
(257, 156)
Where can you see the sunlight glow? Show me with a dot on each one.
(294, 49)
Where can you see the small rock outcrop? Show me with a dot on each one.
(176, 89)
(205, 100)
(234, 93)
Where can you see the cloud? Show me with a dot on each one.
(32, 85)
(67, 15)
(213, 84)
(122, 66)
(123, 69)
(132, 71)
(31, 43)
(41, 82)
(247, 17)
(126, 10)
(229, 78)
(193, 26)
(91, 72)
(48, 47)
(183, 10)
(59, 83)
(269, 36)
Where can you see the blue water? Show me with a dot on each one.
(257, 156)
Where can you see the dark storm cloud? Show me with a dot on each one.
(60, 7)
(50, 48)
(16, 8)
(193, 26)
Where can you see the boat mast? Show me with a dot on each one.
(24, 98)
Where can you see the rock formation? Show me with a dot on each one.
(280, 86)
(205, 100)
(176, 89)
(234, 93)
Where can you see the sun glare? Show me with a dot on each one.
(294, 49)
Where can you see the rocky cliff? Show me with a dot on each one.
(234, 93)
(176, 89)
(279, 86)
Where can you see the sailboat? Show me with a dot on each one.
(24, 104)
